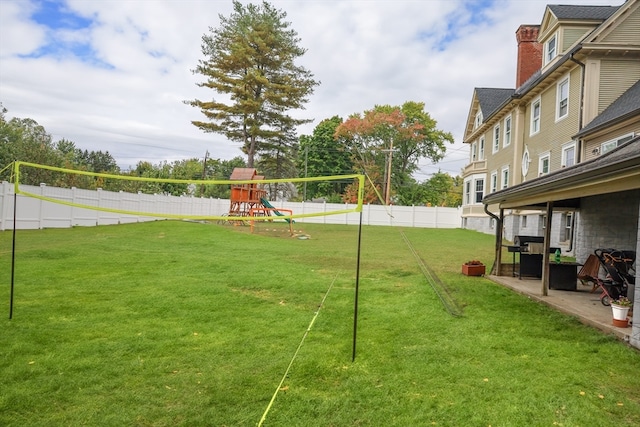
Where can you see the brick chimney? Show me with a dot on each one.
(529, 53)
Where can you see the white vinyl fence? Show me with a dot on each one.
(32, 213)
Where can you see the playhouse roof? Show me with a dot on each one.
(242, 174)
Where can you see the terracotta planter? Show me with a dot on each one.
(473, 270)
(621, 323)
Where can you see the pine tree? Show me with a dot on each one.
(250, 63)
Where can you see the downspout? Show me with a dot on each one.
(580, 116)
(579, 142)
(497, 262)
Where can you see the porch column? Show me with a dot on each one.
(634, 340)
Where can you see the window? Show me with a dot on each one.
(543, 163)
(568, 223)
(525, 162)
(535, 117)
(610, 145)
(492, 223)
(474, 189)
(474, 150)
(507, 132)
(479, 190)
(496, 138)
(481, 149)
(505, 177)
(550, 49)
(467, 193)
(524, 221)
(562, 107)
(494, 181)
(478, 120)
(568, 154)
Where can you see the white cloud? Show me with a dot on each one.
(128, 99)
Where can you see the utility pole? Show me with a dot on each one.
(387, 191)
(204, 172)
(306, 159)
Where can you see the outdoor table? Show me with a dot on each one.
(563, 276)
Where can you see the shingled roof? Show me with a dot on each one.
(569, 12)
(627, 105)
(491, 99)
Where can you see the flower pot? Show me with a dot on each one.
(621, 323)
(620, 312)
(473, 269)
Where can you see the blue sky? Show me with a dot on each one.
(112, 75)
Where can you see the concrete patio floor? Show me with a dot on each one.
(582, 304)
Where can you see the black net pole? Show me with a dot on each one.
(355, 307)
(13, 253)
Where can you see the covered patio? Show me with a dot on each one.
(581, 303)
(605, 194)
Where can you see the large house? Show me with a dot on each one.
(576, 98)
(559, 155)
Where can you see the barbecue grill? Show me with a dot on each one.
(530, 249)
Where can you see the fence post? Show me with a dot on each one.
(5, 205)
(41, 207)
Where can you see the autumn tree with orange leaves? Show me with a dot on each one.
(387, 143)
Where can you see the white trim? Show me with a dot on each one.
(495, 139)
(613, 143)
(469, 188)
(508, 131)
(541, 158)
(526, 159)
(478, 120)
(493, 182)
(504, 182)
(565, 149)
(475, 190)
(548, 55)
(559, 100)
(532, 130)
(481, 148)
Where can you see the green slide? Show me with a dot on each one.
(266, 204)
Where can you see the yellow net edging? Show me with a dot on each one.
(18, 164)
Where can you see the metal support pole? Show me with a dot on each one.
(13, 254)
(355, 307)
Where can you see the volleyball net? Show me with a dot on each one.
(168, 198)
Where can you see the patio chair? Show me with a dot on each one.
(588, 274)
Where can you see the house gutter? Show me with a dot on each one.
(580, 116)
(580, 126)
(497, 261)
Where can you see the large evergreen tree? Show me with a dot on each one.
(250, 63)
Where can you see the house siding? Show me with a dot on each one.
(627, 31)
(571, 35)
(595, 143)
(554, 134)
(616, 76)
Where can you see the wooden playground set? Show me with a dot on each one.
(249, 201)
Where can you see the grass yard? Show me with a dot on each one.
(187, 324)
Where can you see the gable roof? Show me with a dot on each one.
(491, 99)
(570, 12)
(616, 170)
(627, 105)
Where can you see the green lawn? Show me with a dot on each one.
(181, 323)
